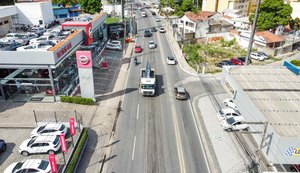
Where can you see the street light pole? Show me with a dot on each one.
(252, 33)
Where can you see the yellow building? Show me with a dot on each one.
(244, 7)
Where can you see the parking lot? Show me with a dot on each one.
(15, 136)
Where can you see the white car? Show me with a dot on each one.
(29, 165)
(37, 30)
(229, 103)
(171, 60)
(223, 113)
(49, 129)
(232, 123)
(152, 45)
(35, 47)
(40, 144)
(162, 30)
(257, 56)
(115, 42)
(25, 38)
(51, 38)
(157, 19)
(113, 46)
(9, 38)
(263, 54)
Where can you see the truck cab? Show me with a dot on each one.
(148, 81)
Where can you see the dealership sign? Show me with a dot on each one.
(64, 49)
(63, 143)
(84, 59)
(292, 151)
(52, 162)
(72, 126)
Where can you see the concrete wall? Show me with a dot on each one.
(201, 29)
(5, 25)
(296, 9)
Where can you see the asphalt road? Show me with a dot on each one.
(156, 134)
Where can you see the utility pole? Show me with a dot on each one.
(264, 132)
(122, 9)
(131, 20)
(252, 33)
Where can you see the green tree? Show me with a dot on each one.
(90, 6)
(64, 2)
(272, 13)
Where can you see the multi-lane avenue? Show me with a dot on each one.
(156, 134)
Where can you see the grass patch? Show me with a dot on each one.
(112, 20)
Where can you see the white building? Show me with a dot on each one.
(30, 13)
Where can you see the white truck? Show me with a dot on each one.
(148, 81)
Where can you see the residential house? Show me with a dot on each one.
(243, 6)
(265, 41)
(196, 23)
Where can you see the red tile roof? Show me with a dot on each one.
(201, 15)
(270, 37)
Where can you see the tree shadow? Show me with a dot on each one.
(9, 150)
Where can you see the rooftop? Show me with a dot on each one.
(201, 15)
(269, 37)
(276, 93)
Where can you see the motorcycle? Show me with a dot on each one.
(136, 62)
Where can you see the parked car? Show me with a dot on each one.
(171, 60)
(243, 59)
(25, 38)
(153, 13)
(223, 113)
(2, 145)
(9, 38)
(180, 93)
(40, 144)
(113, 46)
(35, 47)
(152, 45)
(228, 62)
(137, 48)
(229, 103)
(38, 30)
(29, 165)
(153, 29)
(157, 20)
(236, 61)
(49, 129)
(10, 46)
(43, 38)
(257, 56)
(117, 42)
(55, 33)
(162, 30)
(263, 54)
(147, 33)
(232, 123)
(222, 63)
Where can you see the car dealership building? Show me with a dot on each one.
(272, 95)
(43, 75)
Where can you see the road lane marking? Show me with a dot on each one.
(133, 148)
(137, 111)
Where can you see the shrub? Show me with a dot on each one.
(295, 62)
(77, 100)
(77, 151)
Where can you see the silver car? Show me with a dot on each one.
(113, 46)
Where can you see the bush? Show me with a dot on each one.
(295, 62)
(77, 150)
(77, 100)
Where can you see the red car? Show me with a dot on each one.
(137, 48)
(236, 61)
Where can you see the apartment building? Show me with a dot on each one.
(244, 7)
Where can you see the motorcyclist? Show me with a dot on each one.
(135, 60)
